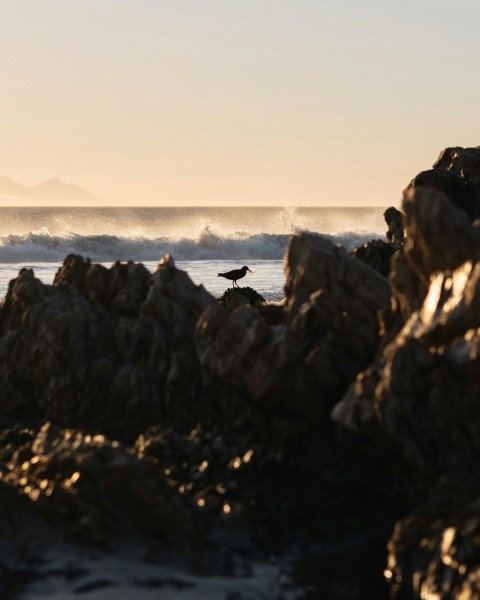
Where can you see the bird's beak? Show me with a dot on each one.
(250, 270)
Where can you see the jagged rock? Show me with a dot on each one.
(89, 351)
(96, 490)
(439, 237)
(378, 253)
(122, 288)
(313, 263)
(230, 470)
(236, 297)
(447, 312)
(375, 254)
(464, 161)
(73, 271)
(242, 349)
(456, 173)
(396, 231)
(436, 555)
(418, 402)
(298, 364)
(174, 300)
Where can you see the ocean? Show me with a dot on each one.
(202, 241)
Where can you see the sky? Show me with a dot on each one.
(229, 102)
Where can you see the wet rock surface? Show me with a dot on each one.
(336, 435)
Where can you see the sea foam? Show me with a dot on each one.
(208, 245)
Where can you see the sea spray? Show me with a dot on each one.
(43, 247)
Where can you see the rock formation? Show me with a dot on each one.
(233, 298)
(134, 404)
(103, 347)
(417, 402)
(378, 253)
(296, 367)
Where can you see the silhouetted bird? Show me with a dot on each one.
(235, 274)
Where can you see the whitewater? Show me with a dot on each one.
(203, 241)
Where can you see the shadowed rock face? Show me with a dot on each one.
(419, 400)
(98, 490)
(439, 237)
(248, 396)
(378, 253)
(464, 161)
(297, 367)
(456, 173)
(105, 347)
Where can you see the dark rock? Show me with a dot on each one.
(456, 173)
(464, 161)
(122, 288)
(73, 271)
(108, 350)
(233, 298)
(418, 401)
(292, 367)
(249, 487)
(312, 263)
(436, 554)
(95, 489)
(243, 351)
(396, 231)
(376, 254)
(439, 237)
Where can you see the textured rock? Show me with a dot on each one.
(396, 231)
(104, 347)
(436, 556)
(95, 489)
(464, 161)
(439, 237)
(293, 366)
(376, 254)
(456, 173)
(418, 402)
(313, 263)
(233, 298)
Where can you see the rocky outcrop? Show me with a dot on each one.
(238, 404)
(456, 173)
(396, 230)
(96, 489)
(290, 371)
(463, 161)
(378, 253)
(233, 298)
(417, 402)
(108, 347)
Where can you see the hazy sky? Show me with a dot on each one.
(265, 102)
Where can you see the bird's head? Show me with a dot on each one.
(245, 268)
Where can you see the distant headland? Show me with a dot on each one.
(52, 191)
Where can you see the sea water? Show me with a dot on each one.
(202, 241)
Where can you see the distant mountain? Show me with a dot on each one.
(53, 190)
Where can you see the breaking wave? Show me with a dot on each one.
(43, 247)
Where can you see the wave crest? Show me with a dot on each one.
(209, 245)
